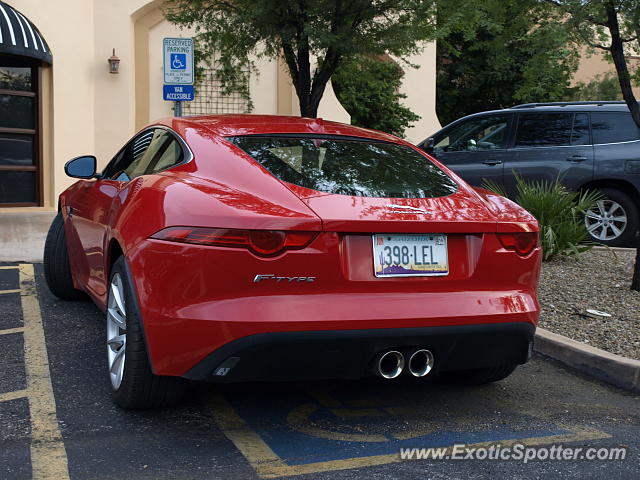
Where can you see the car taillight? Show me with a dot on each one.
(266, 243)
(522, 242)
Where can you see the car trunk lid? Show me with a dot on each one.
(461, 212)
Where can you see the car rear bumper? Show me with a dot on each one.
(201, 303)
(351, 353)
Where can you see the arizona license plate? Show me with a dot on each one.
(396, 255)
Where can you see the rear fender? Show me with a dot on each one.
(511, 216)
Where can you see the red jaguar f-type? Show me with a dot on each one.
(244, 247)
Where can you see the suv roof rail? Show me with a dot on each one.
(567, 104)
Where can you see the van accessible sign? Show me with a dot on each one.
(178, 61)
(178, 93)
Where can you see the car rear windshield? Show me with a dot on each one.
(358, 167)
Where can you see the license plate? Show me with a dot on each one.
(410, 255)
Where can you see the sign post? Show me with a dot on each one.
(178, 72)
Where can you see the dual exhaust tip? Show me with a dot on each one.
(392, 363)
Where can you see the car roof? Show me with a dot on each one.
(603, 106)
(560, 107)
(230, 125)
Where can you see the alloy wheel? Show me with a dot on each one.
(116, 330)
(606, 220)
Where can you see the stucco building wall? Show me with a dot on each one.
(86, 110)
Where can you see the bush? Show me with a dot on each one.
(601, 87)
(368, 89)
(559, 212)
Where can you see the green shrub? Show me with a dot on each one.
(369, 90)
(559, 213)
(601, 87)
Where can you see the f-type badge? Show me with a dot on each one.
(272, 277)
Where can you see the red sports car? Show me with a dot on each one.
(242, 247)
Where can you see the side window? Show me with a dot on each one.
(128, 156)
(145, 151)
(544, 129)
(580, 133)
(150, 152)
(170, 155)
(484, 133)
(613, 127)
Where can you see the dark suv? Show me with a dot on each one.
(587, 145)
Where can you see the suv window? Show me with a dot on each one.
(552, 129)
(613, 127)
(364, 168)
(483, 133)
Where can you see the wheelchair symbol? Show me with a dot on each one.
(178, 61)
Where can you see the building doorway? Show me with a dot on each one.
(20, 159)
(23, 52)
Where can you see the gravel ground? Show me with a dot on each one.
(600, 280)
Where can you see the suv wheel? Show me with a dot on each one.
(613, 220)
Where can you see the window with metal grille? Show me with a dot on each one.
(210, 98)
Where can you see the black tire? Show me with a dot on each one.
(57, 271)
(479, 376)
(140, 388)
(628, 236)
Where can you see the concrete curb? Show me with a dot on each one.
(615, 249)
(22, 235)
(620, 371)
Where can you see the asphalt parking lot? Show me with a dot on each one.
(57, 420)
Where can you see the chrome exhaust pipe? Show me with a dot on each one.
(421, 362)
(390, 364)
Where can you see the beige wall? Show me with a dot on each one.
(89, 111)
(419, 85)
(594, 64)
(70, 125)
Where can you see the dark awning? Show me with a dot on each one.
(18, 36)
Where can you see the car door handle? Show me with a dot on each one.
(492, 162)
(577, 158)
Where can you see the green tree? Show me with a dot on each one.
(299, 30)
(499, 52)
(368, 88)
(611, 26)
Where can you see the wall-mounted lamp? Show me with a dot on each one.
(114, 63)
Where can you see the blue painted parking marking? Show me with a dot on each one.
(306, 431)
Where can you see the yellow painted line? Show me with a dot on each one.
(5, 397)
(269, 465)
(578, 434)
(3, 292)
(48, 455)
(9, 267)
(9, 331)
(265, 462)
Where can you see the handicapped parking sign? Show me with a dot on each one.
(178, 61)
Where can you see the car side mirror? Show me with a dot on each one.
(81, 167)
(429, 145)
